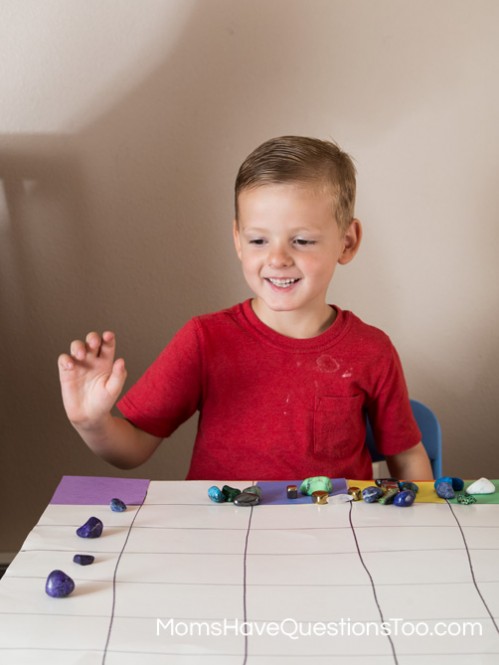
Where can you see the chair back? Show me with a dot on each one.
(430, 431)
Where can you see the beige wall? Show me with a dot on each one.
(122, 125)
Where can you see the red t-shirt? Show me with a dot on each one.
(273, 407)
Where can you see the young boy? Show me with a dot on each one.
(282, 382)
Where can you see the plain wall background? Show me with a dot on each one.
(122, 126)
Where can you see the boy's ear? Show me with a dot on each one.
(351, 241)
(237, 237)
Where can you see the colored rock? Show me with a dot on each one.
(247, 499)
(117, 505)
(466, 499)
(387, 483)
(292, 492)
(389, 496)
(371, 494)
(254, 489)
(91, 529)
(457, 484)
(341, 498)
(58, 584)
(444, 490)
(83, 559)
(230, 493)
(408, 486)
(404, 498)
(216, 494)
(481, 486)
(316, 484)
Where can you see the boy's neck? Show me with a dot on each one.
(295, 323)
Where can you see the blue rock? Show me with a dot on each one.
(58, 584)
(83, 559)
(371, 494)
(405, 485)
(117, 505)
(216, 494)
(444, 490)
(91, 529)
(404, 498)
(457, 484)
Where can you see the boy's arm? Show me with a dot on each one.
(91, 382)
(412, 464)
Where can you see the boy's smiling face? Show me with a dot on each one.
(289, 243)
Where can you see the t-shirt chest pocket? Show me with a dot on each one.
(339, 424)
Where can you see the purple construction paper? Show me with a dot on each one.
(274, 491)
(98, 490)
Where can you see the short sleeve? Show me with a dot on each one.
(389, 410)
(170, 390)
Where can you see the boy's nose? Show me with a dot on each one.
(279, 257)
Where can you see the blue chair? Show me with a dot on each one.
(430, 431)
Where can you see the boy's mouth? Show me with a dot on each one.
(282, 283)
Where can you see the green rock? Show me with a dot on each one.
(388, 496)
(230, 493)
(315, 484)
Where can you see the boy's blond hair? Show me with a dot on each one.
(307, 160)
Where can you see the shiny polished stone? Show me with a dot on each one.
(371, 494)
(466, 499)
(83, 559)
(117, 505)
(404, 498)
(355, 493)
(59, 584)
(216, 494)
(389, 496)
(405, 485)
(292, 492)
(230, 492)
(320, 497)
(91, 529)
(253, 489)
(247, 499)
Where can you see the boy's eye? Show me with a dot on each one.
(256, 241)
(302, 242)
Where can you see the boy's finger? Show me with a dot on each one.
(93, 342)
(117, 377)
(108, 346)
(78, 349)
(65, 362)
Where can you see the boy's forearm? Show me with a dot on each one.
(118, 442)
(412, 464)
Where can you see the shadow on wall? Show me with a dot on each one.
(126, 224)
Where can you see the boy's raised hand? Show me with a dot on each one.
(91, 380)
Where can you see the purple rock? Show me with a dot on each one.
(58, 584)
(83, 559)
(91, 529)
(117, 505)
(444, 490)
(404, 498)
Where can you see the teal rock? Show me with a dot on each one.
(83, 559)
(216, 494)
(389, 496)
(247, 499)
(117, 506)
(408, 486)
(444, 490)
(230, 493)
(91, 529)
(404, 498)
(58, 584)
(371, 494)
(316, 484)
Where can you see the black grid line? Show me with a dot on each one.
(114, 579)
(392, 646)
(245, 585)
(471, 567)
